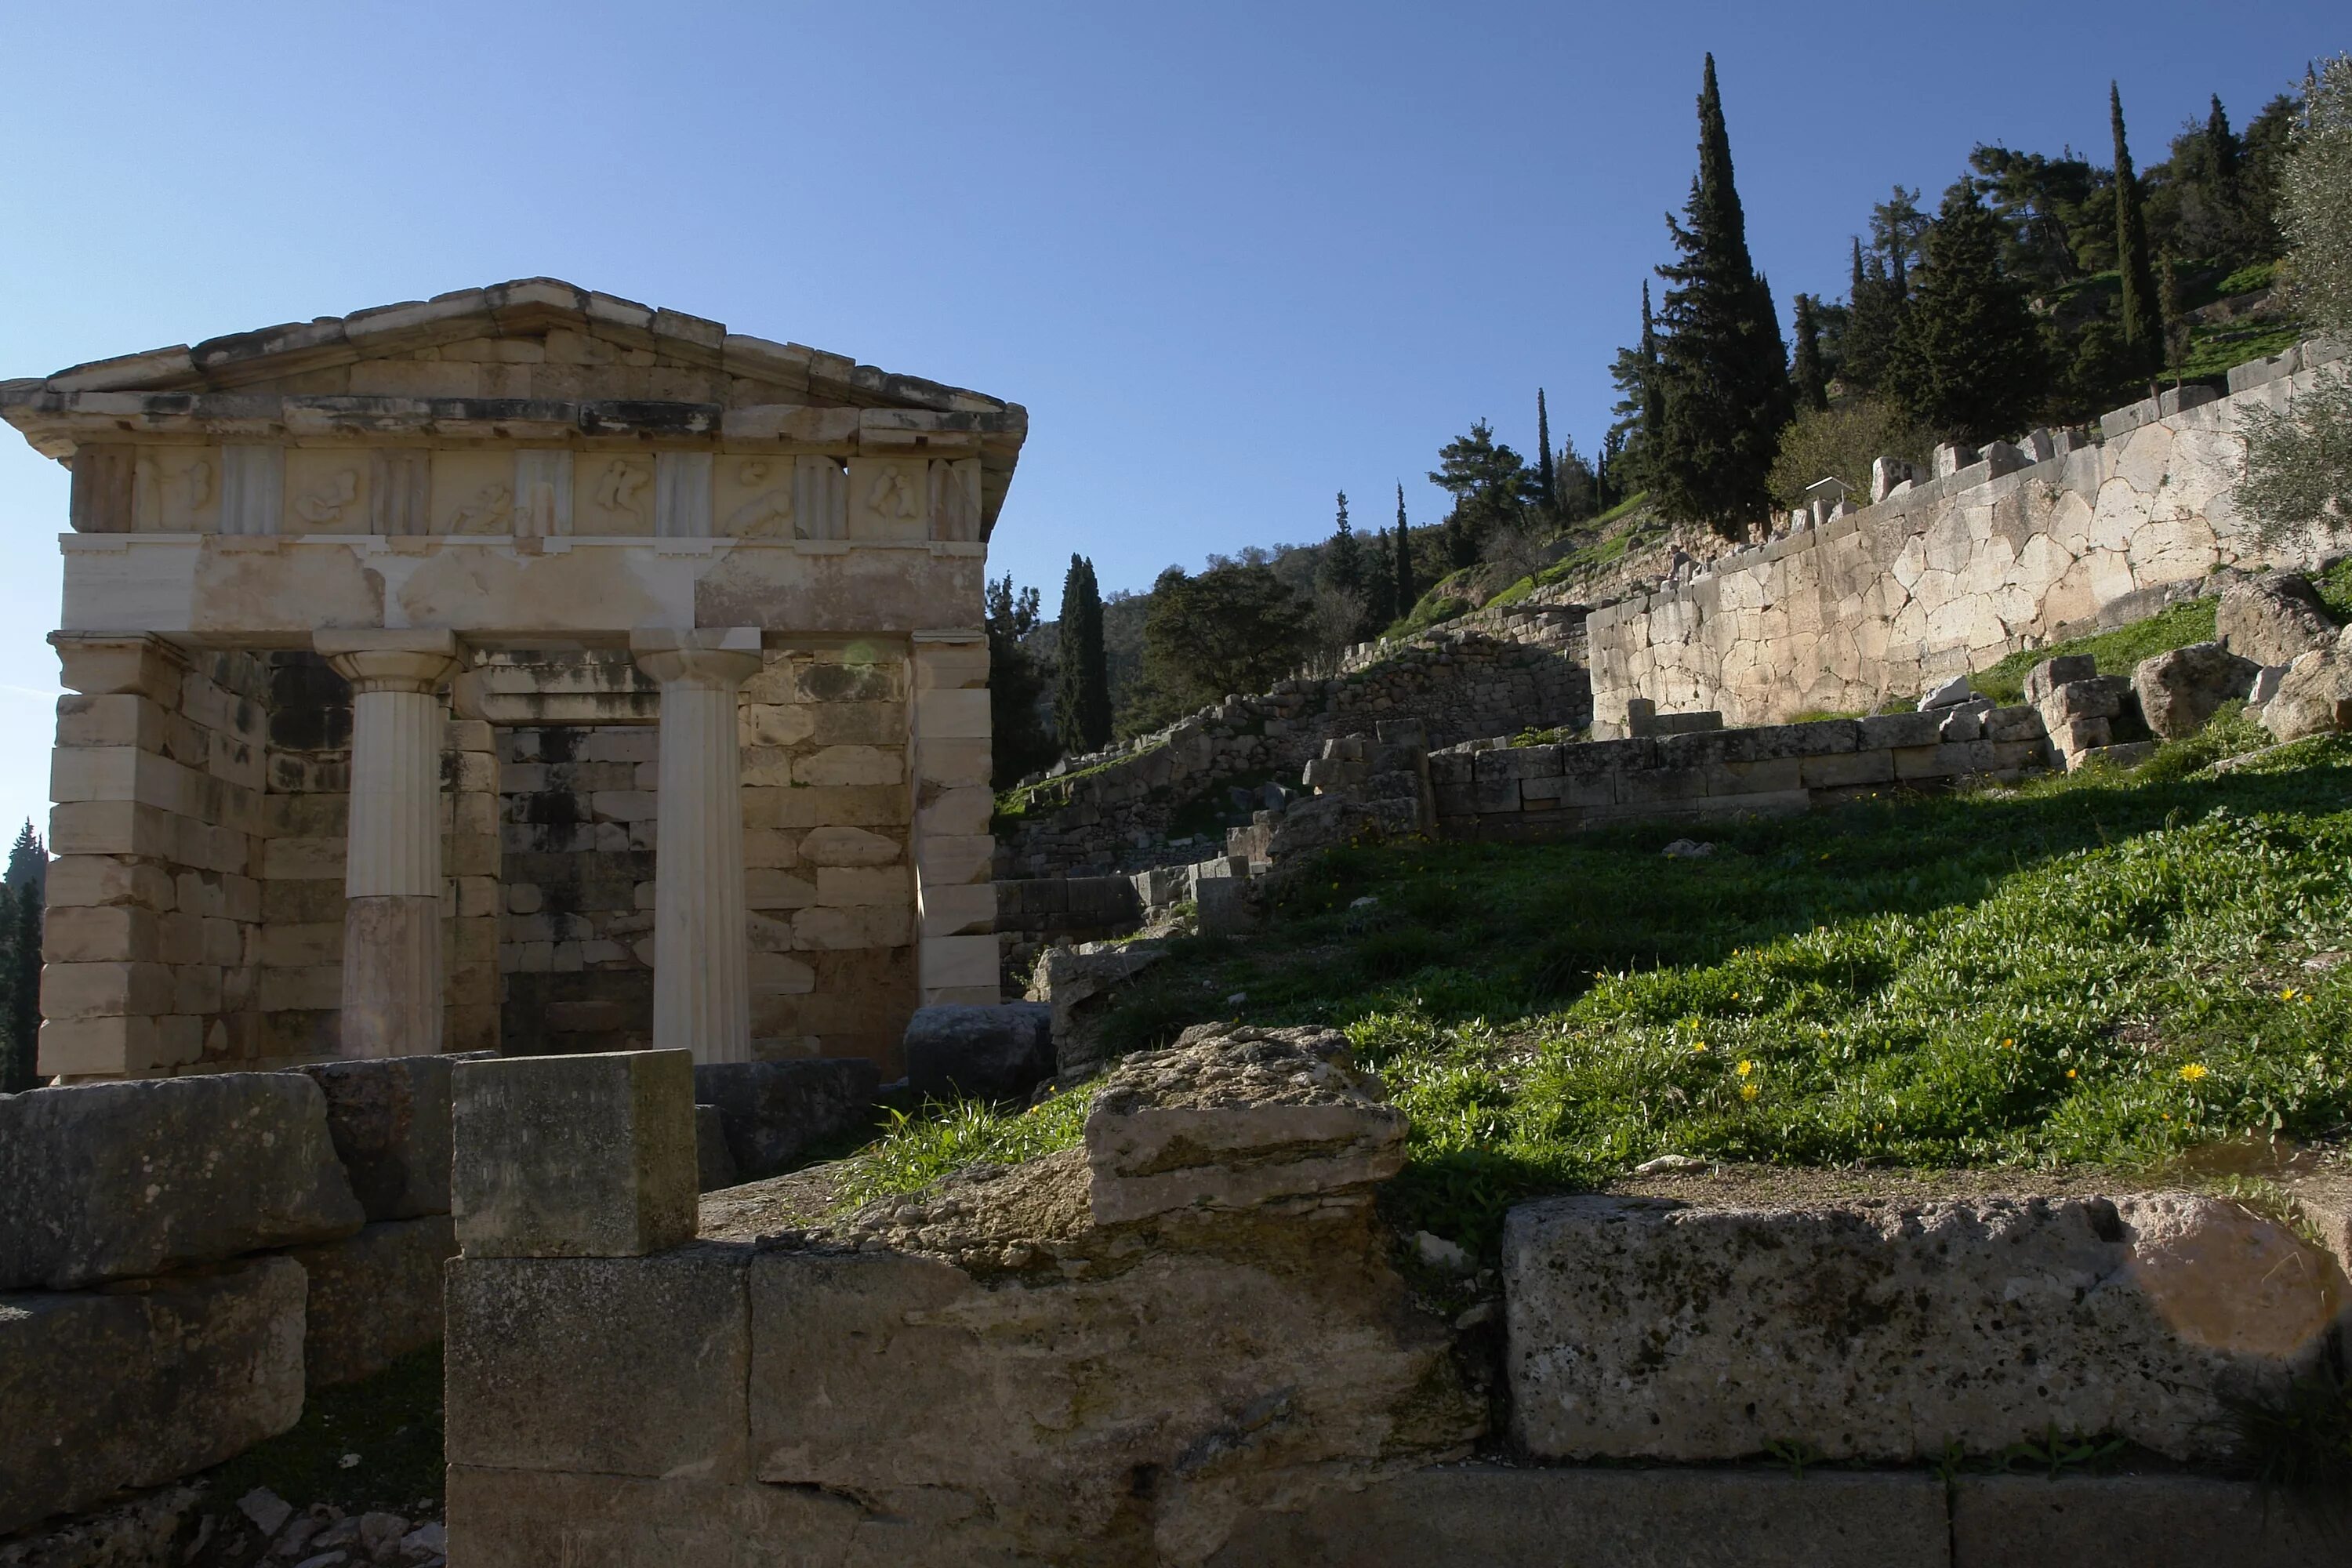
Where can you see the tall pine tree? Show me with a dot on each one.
(1874, 323)
(1972, 364)
(1810, 383)
(2143, 319)
(1082, 695)
(1723, 370)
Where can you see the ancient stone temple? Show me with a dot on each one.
(523, 668)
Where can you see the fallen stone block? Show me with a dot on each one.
(1490, 1516)
(2273, 619)
(1949, 694)
(2146, 1522)
(389, 1118)
(630, 1366)
(578, 1156)
(2116, 755)
(2053, 673)
(1230, 1118)
(770, 1111)
(979, 1052)
(2100, 696)
(2314, 697)
(1884, 1331)
(374, 1296)
(139, 1383)
(1222, 906)
(2179, 690)
(1066, 977)
(117, 1181)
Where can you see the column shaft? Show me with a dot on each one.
(702, 987)
(393, 972)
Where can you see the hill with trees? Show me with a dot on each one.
(2042, 289)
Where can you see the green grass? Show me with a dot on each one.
(916, 1149)
(2213, 350)
(2104, 968)
(2118, 651)
(2247, 279)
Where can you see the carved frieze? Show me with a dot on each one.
(542, 493)
(253, 484)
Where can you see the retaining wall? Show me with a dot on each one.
(1951, 574)
(1520, 670)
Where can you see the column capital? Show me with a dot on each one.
(374, 660)
(718, 656)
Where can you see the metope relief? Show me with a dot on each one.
(400, 486)
(178, 489)
(324, 492)
(756, 500)
(618, 498)
(889, 498)
(473, 492)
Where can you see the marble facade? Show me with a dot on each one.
(520, 668)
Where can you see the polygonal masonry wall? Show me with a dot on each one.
(387, 632)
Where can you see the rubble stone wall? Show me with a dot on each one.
(1953, 573)
(1514, 671)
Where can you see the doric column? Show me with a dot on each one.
(702, 988)
(392, 859)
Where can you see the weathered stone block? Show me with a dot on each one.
(2147, 1521)
(1849, 769)
(628, 1366)
(1883, 1331)
(772, 1110)
(1231, 1118)
(2179, 690)
(530, 1518)
(1891, 730)
(2053, 673)
(2273, 619)
(374, 1296)
(389, 1119)
(2100, 697)
(1488, 1516)
(985, 1053)
(113, 1181)
(2022, 723)
(137, 1384)
(581, 1156)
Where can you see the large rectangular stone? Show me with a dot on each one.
(580, 1156)
(527, 1519)
(772, 1110)
(1489, 1516)
(390, 1122)
(2146, 1522)
(374, 1296)
(113, 1181)
(1885, 1329)
(1890, 730)
(137, 1384)
(1845, 770)
(625, 1366)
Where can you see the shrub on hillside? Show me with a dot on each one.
(1842, 441)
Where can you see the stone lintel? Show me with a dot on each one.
(100, 664)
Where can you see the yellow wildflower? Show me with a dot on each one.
(1749, 1091)
(1746, 1067)
(2191, 1073)
(2069, 1072)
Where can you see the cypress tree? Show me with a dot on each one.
(1813, 387)
(1343, 558)
(1380, 586)
(1082, 695)
(1874, 323)
(2143, 324)
(1407, 594)
(22, 895)
(1972, 362)
(1654, 386)
(1547, 479)
(1724, 370)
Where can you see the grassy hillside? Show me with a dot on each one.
(2101, 968)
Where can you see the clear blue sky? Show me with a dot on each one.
(1233, 258)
